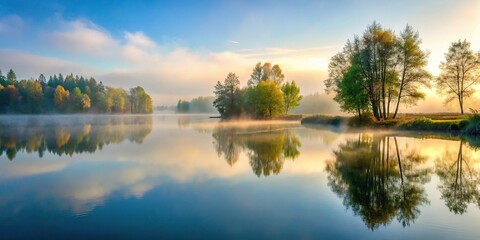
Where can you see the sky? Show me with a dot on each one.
(180, 49)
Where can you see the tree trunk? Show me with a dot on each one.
(398, 103)
(375, 110)
(460, 100)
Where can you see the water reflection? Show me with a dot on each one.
(379, 180)
(460, 179)
(74, 136)
(267, 147)
(178, 174)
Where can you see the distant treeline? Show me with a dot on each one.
(317, 103)
(196, 105)
(70, 94)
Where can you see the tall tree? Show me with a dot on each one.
(33, 97)
(291, 96)
(228, 99)
(61, 97)
(459, 73)
(3, 81)
(11, 77)
(413, 61)
(265, 72)
(390, 69)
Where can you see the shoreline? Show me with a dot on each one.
(455, 125)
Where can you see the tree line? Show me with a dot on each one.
(196, 105)
(380, 70)
(265, 96)
(69, 94)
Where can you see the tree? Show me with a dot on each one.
(459, 73)
(3, 80)
(265, 72)
(74, 93)
(11, 77)
(85, 102)
(389, 67)
(291, 96)
(119, 99)
(227, 96)
(140, 101)
(9, 97)
(267, 98)
(61, 97)
(33, 97)
(412, 68)
(351, 94)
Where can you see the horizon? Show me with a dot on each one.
(180, 53)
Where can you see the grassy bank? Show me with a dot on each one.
(462, 124)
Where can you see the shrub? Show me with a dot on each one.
(472, 126)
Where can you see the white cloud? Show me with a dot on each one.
(82, 37)
(139, 39)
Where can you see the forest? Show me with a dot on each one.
(69, 94)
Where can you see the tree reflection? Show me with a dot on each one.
(459, 179)
(378, 181)
(72, 136)
(266, 146)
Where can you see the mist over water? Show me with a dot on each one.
(151, 176)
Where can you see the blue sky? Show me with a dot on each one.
(179, 49)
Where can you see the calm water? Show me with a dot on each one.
(171, 176)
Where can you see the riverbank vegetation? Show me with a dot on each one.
(461, 124)
(265, 96)
(70, 94)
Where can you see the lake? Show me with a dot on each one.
(189, 176)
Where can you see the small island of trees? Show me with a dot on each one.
(70, 94)
(265, 96)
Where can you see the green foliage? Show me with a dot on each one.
(291, 96)
(11, 77)
(266, 72)
(140, 101)
(3, 80)
(267, 99)
(69, 94)
(378, 70)
(472, 125)
(228, 98)
(351, 95)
